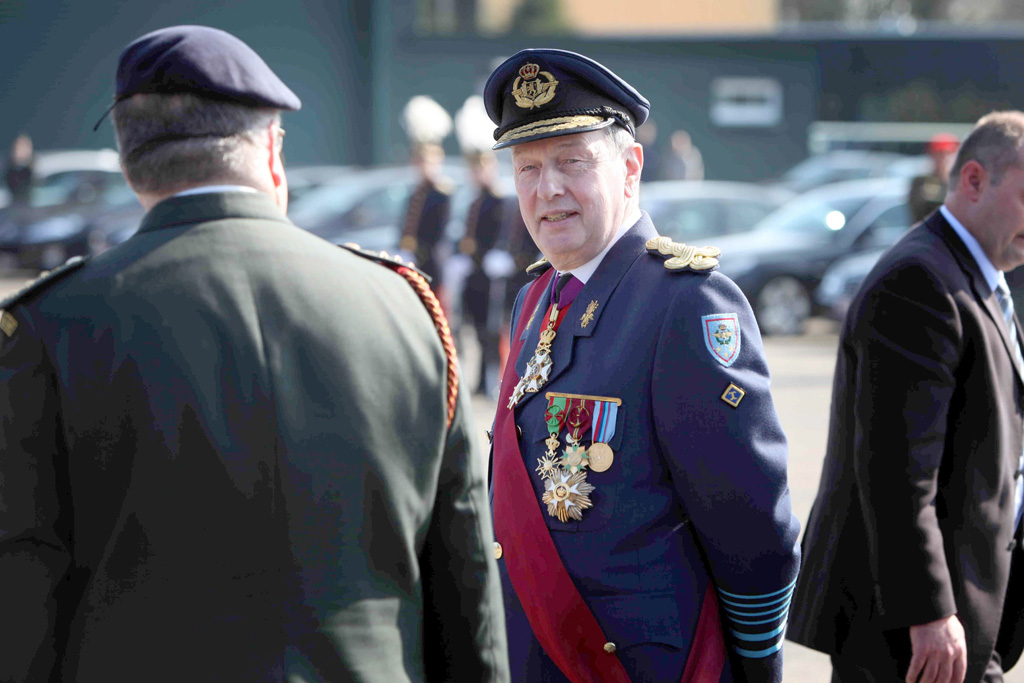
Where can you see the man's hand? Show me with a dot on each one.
(940, 652)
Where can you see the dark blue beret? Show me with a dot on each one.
(203, 61)
(541, 93)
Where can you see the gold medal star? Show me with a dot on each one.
(546, 467)
(568, 495)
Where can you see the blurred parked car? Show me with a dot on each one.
(688, 210)
(842, 280)
(304, 179)
(842, 165)
(80, 204)
(367, 206)
(782, 260)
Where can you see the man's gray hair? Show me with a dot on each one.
(169, 142)
(995, 143)
(619, 138)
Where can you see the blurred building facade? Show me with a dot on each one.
(754, 102)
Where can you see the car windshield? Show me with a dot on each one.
(683, 219)
(813, 214)
(325, 201)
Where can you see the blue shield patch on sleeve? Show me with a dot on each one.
(722, 336)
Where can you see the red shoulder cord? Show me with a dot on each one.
(419, 284)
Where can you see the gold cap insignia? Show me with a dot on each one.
(529, 90)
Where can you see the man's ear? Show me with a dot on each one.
(275, 163)
(634, 166)
(972, 180)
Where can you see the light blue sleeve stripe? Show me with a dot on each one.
(759, 654)
(784, 615)
(758, 636)
(784, 598)
(779, 610)
(765, 595)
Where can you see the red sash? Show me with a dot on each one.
(560, 619)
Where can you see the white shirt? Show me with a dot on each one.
(992, 276)
(587, 270)
(210, 189)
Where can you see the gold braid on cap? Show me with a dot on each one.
(550, 126)
(443, 331)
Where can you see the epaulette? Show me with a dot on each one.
(538, 267)
(47, 277)
(683, 257)
(383, 258)
(420, 284)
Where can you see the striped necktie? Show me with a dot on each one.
(1006, 305)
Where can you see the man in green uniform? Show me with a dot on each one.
(231, 451)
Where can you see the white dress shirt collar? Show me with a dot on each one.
(992, 276)
(210, 189)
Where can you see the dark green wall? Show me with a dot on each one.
(59, 59)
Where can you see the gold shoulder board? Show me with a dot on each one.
(382, 257)
(682, 256)
(538, 267)
(46, 278)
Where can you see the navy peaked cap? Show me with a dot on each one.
(541, 93)
(204, 61)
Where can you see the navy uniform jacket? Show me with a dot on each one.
(484, 221)
(913, 520)
(698, 489)
(223, 457)
(426, 215)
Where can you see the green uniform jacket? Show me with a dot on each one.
(223, 457)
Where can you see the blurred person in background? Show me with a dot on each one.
(483, 225)
(682, 161)
(913, 568)
(647, 135)
(20, 166)
(928, 191)
(641, 506)
(429, 207)
(232, 451)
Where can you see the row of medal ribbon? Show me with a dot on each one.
(567, 491)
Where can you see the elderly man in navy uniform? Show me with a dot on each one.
(639, 489)
(230, 450)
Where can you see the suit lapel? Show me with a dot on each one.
(599, 288)
(986, 298)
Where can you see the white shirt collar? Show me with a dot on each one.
(992, 276)
(587, 270)
(210, 189)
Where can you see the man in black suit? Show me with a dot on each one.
(912, 555)
(231, 451)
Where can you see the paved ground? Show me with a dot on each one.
(802, 377)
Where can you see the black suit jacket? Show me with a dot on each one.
(224, 457)
(914, 515)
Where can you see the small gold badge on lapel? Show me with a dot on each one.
(733, 395)
(7, 323)
(589, 315)
(529, 90)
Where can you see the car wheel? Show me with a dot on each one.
(783, 306)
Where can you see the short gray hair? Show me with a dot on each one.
(619, 138)
(168, 142)
(995, 143)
